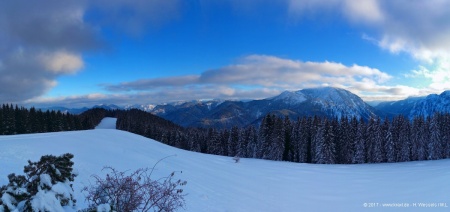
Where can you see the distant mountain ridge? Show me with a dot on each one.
(325, 102)
(418, 106)
(81, 110)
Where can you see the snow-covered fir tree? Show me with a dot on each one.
(288, 153)
(46, 186)
(389, 147)
(404, 140)
(360, 146)
(233, 141)
(251, 136)
(434, 142)
(325, 144)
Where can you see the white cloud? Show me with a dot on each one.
(261, 76)
(357, 11)
(270, 71)
(363, 11)
(438, 75)
(62, 62)
(252, 77)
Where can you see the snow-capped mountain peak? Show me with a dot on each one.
(337, 102)
(290, 97)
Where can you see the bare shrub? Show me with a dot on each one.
(135, 192)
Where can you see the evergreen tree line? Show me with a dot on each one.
(307, 139)
(20, 120)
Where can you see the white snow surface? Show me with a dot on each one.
(217, 183)
(107, 123)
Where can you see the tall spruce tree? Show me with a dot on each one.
(389, 147)
(252, 144)
(288, 153)
(325, 144)
(374, 152)
(233, 141)
(360, 146)
(434, 143)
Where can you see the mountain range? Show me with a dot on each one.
(325, 102)
(418, 106)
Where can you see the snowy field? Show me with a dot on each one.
(217, 183)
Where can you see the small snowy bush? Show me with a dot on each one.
(134, 192)
(46, 186)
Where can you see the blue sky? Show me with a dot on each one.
(81, 53)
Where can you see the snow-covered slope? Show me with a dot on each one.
(107, 123)
(290, 97)
(337, 102)
(403, 107)
(216, 183)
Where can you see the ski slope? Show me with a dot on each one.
(217, 183)
(107, 123)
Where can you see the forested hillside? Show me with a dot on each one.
(20, 120)
(307, 139)
(347, 140)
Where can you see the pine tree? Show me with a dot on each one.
(51, 177)
(444, 127)
(343, 141)
(295, 140)
(233, 141)
(2, 121)
(389, 147)
(434, 143)
(243, 141)
(352, 140)
(194, 141)
(313, 128)
(9, 127)
(265, 136)
(276, 141)
(370, 140)
(252, 146)
(405, 146)
(305, 149)
(373, 141)
(418, 137)
(318, 142)
(360, 151)
(325, 144)
(224, 136)
(215, 146)
(288, 153)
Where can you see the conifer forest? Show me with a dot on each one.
(308, 139)
(321, 140)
